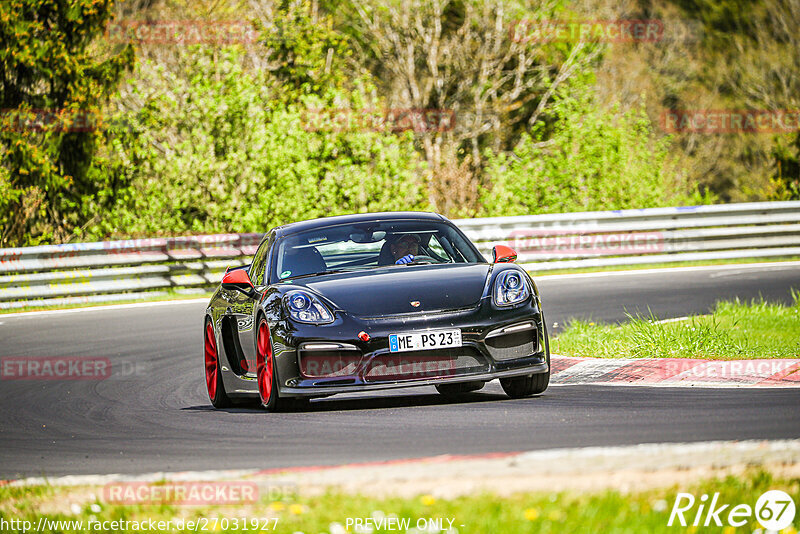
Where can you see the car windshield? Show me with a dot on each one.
(371, 245)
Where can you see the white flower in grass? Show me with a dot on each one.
(377, 515)
(660, 505)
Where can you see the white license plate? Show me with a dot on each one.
(433, 339)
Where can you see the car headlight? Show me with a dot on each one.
(306, 308)
(510, 288)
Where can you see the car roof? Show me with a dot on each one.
(300, 226)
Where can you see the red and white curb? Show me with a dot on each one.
(675, 372)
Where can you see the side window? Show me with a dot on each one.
(436, 248)
(259, 261)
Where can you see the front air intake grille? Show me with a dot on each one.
(513, 345)
(414, 365)
(328, 363)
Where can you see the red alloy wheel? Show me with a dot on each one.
(211, 362)
(264, 363)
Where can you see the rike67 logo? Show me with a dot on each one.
(774, 510)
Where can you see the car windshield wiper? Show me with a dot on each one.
(331, 271)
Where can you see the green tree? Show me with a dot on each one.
(588, 159)
(217, 152)
(52, 88)
(306, 54)
(209, 144)
(476, 60)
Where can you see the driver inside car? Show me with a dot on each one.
(404, 248)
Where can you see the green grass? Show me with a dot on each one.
(734, 331)
(637, 267)
(155, 298)
(565, 512)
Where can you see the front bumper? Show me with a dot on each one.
(476, 360)
(358, 386)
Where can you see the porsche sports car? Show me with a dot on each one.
(372, 301)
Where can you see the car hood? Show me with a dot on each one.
(391, 290)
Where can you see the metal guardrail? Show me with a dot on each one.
(129, 270)
(645, 236)
(118, 270)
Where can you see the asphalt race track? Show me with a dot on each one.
(153, 413)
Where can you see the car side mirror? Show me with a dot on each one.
(239, 280)
(503, 254)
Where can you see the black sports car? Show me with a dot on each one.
(372, 301)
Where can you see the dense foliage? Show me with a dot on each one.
(593, 159)
(376, 105)
(218, 152)
(51, 88)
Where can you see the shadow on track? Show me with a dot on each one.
(371, 403)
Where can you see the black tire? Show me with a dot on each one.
(525, 386)
(214, 385)
(459, 388)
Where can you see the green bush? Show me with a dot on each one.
(216, 151)
(585, 158)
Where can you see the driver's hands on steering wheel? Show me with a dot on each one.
(408, 258)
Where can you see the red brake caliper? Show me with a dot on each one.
(264, 363)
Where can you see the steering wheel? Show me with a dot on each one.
(422, 259)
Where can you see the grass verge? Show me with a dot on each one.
(734, 331)
(669, 265)
(607, 511)
(154, 298)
